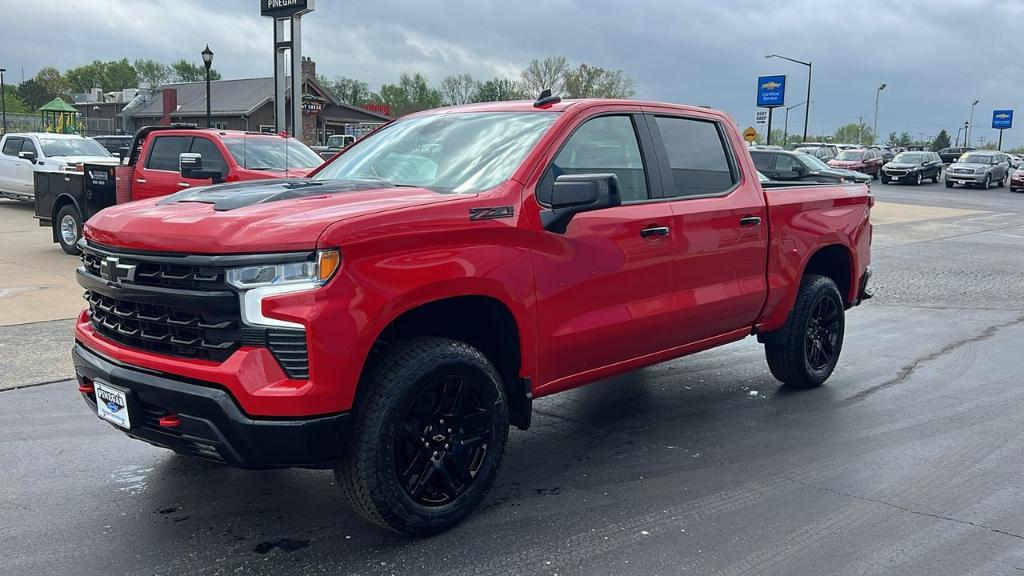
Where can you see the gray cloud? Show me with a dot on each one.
(935, 55)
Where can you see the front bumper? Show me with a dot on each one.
(965, 178)
(210, 423)
(902, 175)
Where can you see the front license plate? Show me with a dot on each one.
(112, 404)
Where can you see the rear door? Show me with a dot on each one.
(604, 288)
(157, 173)
(719, 226)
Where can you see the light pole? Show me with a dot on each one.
(3, 98)
(877, 94)
(967, 139)
(208, 62)
(785, 131)
(807, 110)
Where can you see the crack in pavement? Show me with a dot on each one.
(902, 508)
(907, 371)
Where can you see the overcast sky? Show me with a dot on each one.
(936, 56)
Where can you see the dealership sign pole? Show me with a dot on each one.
(287, 13)
(1002, 120)
(771, 94)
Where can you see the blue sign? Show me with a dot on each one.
(771, 91)
(1002, 119)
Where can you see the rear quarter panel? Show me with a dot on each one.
(803, 220)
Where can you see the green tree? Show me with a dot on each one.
(185, 71)
(893, 140)
(855, 134)
(410, 94)
(548, 73)
(12, 103)
(152, 72)
(941, 141)
(458, 89)
(86, 77)
(32, 93)
(499, 89)
(52, 84)
(905, 139)
(118, 75)
(586, 81)
(347, 90)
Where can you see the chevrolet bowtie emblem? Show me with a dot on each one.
(114, 272)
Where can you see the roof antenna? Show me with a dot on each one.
(546, 99)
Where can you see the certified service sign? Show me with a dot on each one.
(771, 91)
(1002, 119)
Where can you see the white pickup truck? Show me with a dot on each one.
(23, 154)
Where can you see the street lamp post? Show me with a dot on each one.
(807, 110)
(970, 123)
(785, 131)
(3, 98)
(208, 62)
(878, 92)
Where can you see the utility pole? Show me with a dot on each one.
(3, 98)
(877, 94)
(860, 130)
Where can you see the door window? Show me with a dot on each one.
(762, 161)
(603, 145)
(28, 146)
(213, 160)
(12, 146)
(697, 155)
(165, 152)
(785, 163)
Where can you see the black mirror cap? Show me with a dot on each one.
(572, 194)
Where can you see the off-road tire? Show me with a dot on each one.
(68, 211)
(786, 351)
(367, 472)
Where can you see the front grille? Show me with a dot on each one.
(896, 172)
(165, 329)
(963, 171)
(182, 309)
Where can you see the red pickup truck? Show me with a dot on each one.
(393, 314)
(162, 160)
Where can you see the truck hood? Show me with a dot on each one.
(249, 217)
(72, 160)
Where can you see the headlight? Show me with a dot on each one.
(316, 272)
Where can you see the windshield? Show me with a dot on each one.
(975, 159)
(851, 155)
(909, 158)
(72, 147)
(271, 153)
(456, 152)
(338, 141)
(813, 162)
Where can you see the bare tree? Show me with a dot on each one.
(458, 89)
(587, 81)
(544, 74)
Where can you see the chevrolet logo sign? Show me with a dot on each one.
(114, 272)
(1002, 116)
(770, 85)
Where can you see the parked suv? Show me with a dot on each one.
(950, 155)
(797, 166)
(979, 168)
(913, 167)
(825, 152)
(866, 160)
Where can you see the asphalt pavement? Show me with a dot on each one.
(908, 461)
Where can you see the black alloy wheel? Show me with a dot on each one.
(445, 434)
(822, 333)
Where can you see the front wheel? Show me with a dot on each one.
(805, 351)
(1002, 183)
(885, 179)
(69, 229)
(949, 183)
(935, 179)
(988, 182)
(428, 437)
(919, 179)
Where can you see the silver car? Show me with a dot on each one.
(979, 168)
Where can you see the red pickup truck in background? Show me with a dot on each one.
(393, 314)
(162, 160)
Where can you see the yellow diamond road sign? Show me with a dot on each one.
(750, 134)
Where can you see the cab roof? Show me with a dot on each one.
(562, 106)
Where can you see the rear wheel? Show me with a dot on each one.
(805, 351)
(428, 436)
(69, 228)
(1002, 183)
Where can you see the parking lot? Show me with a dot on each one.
(906, 462)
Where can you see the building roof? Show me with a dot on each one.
(228, 98)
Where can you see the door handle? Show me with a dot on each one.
(750, 221)
(183, 184)
(654, 231)
(140, 180)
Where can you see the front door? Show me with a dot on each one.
(158, 174)
(603, 287)
(719, 227)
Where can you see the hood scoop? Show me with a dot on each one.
(225, 197)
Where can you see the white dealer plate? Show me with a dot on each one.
(112, 404)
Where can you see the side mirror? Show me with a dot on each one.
(572, 194)
(27, 155)
(799, 169)
(123, 152)
(190, 165)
